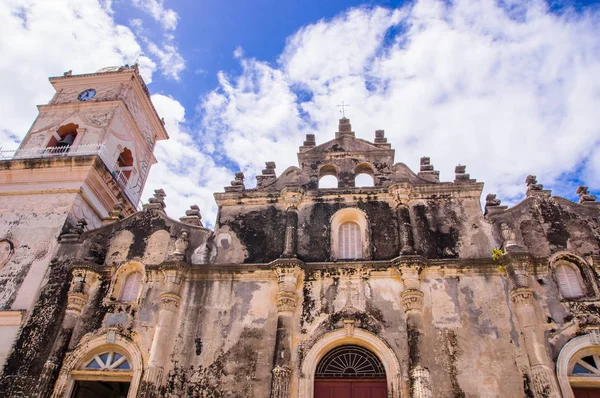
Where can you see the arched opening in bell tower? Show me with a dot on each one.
(125, 164)
(63, 138)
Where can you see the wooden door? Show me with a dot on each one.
(350, 388)
(586, 392)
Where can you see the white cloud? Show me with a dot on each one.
(40, 38)
(155, 8)
(508, 93)
(171, 62)
(187, 175)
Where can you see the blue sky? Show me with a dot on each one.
(508, 88)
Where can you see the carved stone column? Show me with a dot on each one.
(288, 272)
(77, 298)
(542, 375)
(174, 273)
(412, 301)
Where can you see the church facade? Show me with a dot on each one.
(400, 287)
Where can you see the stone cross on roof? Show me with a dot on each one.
(343, 110)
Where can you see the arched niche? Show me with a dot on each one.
(123, 274)
(344, 224)
(349, 336)
(157, 247)
(71, 371)
(119, 247)
(573, 352)
(580, 273)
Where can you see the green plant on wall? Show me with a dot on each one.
(496, 254)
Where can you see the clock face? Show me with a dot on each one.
(87, 94)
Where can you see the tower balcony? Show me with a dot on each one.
(121, 175)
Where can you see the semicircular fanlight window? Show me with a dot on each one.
(350, 361)
(107, 361)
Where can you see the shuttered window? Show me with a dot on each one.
(350, 241)
(568, 281)
(131, 287)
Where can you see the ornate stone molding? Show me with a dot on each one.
(522, 296)
(286, 302)
(412, 300)
(542, 380)
(280, 388)
(292, 196)
(421, 382)
(349, 325)
(75, 302)
(169, 301)
(287, 281)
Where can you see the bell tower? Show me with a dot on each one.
(89, 149)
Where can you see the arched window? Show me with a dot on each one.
(62, 139)
(568, 280)
(108, 361)
(578, 367)
(350, 361)
(131, 287)
(328, 176)
(106, 374)
(350, 241)
(350, 235)
(350, 371)
(584, 372)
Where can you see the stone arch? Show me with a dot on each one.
(583, 270)
(65, 135)
(355, 336)
(91, 345)
(361, 171)
(118, 249)
(328, 170)
(571, 352)
(350, 215)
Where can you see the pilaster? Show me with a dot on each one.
(522, 298)
(77, 298)
(288, 272)
(173, 276)
(412, 302)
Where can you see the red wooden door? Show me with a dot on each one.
(586, 392)
(351, 388)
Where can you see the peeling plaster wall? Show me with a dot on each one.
(31, 223)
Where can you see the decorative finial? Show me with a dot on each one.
(192, 216)
(157, 201)
(460, 174)
(584, 195)
(343, 108)
(237, 184)
(532, 184)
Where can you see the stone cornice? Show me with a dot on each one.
(352, 195)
